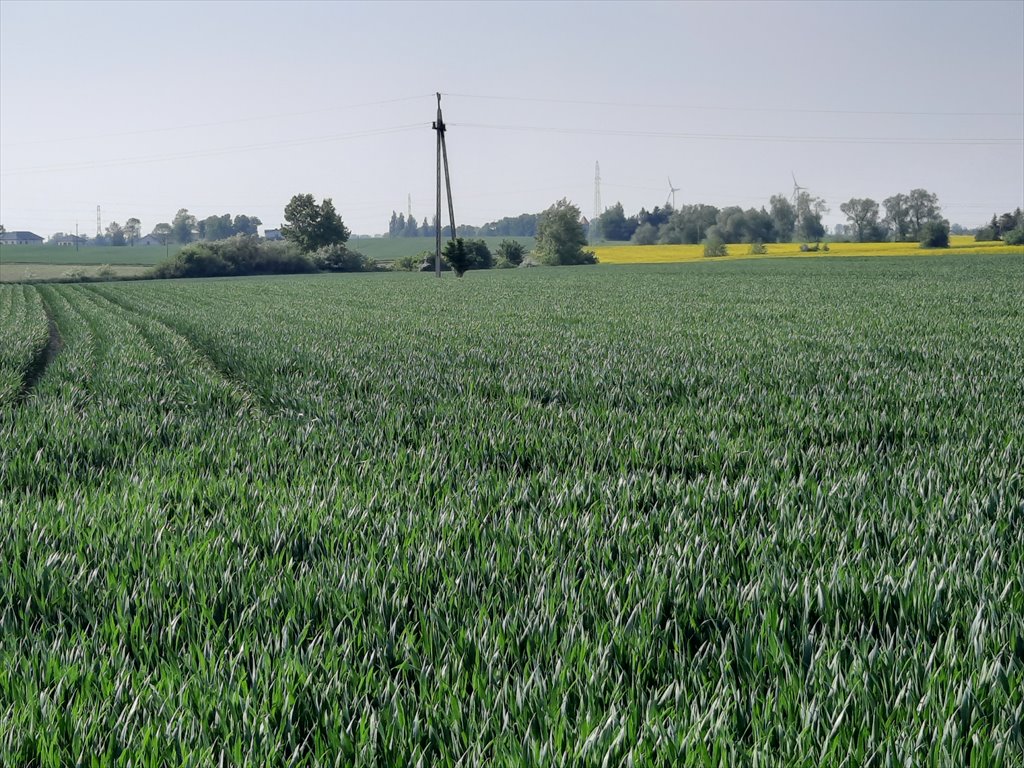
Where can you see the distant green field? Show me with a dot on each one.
(89, 255)
(389, 249)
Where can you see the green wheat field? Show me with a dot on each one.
(761, 513)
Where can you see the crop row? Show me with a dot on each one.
(24, 334)
(694, 515)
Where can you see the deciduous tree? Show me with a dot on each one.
(115, 232)
(922, 208)
(645, 234)
(689, 224)
(132, 230)
(783, 217)
(245, 225)
(897, 215)
(311, 226)
(863, 215)
(809, 210)
(560, 236)
(935, 234)
(182, 226)
(614, 225)
(216, 227)
(164, 231)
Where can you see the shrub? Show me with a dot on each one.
(480, 255)
(456, 256)
(757, 248)
(427, 262)
(198, 260)
(715, 246)
(935, 234)
(1015, 236)
(238, 255)
(464, 254)
(410, 263)
(645, 234)
(339, 258)
(985, 234)
(511, 251)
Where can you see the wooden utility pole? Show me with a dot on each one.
(442, 155)
(439, 127)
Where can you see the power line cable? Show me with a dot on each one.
(709, 108)
(235, 121)
(210, 152)
(746, 137)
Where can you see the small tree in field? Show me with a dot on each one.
(510, 252)
(935, 234)
(479, 254)
(560, 236)
(457, 256)
(714, 245)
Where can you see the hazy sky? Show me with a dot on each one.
(147, 107)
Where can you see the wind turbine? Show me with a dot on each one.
(797, 189)
(671, 194)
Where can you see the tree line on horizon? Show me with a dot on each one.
(317, 239)
(184, 228)
(523, 225)
(912, 217)
(902, 217)
(784, 220)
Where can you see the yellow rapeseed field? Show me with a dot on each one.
(663, 254)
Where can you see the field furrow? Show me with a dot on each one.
(180, 358)
(28, 341)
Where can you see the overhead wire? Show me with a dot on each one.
(745, 137)
(634, 133)
(719, 108)
(217, 123)
(118, 162)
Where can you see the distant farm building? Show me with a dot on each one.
(272, 234)
(20, 238)
(151, 239)
(69, 240)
